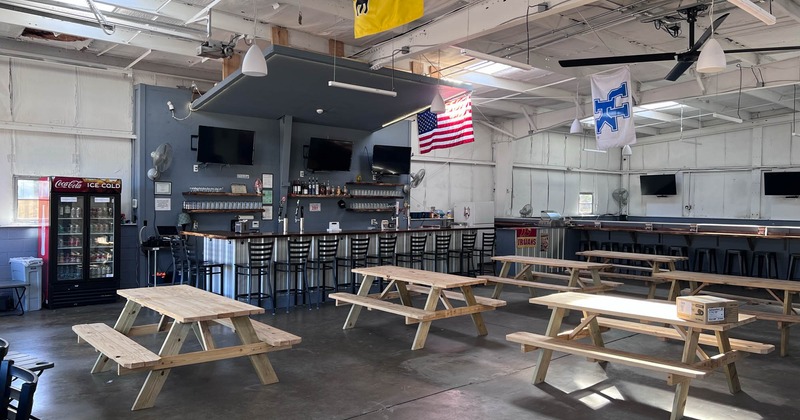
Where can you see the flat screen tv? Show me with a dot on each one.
(782, 183)
(658, 184)
(227, 146)
(329, 155)
(391, 160)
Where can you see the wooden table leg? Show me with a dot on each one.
(543, 359)
(123, 325)
(156, 378)
(573, 277)
(724, 344)
(477, 318)
(784, 326)
(498, 287)
(203, 335)
(355, 310)
(247, 335)
(682, 389)
(425, 326)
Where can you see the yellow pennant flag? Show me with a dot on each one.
(374, 16)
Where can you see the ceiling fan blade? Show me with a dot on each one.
(620, 59)
(678, 70)
(763, 49)
(707, 34)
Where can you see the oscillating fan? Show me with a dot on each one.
(526, 210)
(162, 159)
(620, 195)
(415, 180)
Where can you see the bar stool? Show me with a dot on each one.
(356, 258)
(680, 251)
(297, 264)
(703, 255)
(385, 256)
(486, 251)
(441, 246)
(764, 264)
(793, 258)
(415, 253)
(465, 253)
(259, 263)
(180, 262)
(653, 249)
(325, 260)
(740, 256)
(205, 270)
(609, 246)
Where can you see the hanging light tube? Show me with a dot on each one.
(496, 59)
(360, 88)
(727, 118)
(757, 12)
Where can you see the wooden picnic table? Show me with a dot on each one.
(183, 308)
(526, 277)
(404, 281)
(788, 316)
(639, 310)
(654, 261)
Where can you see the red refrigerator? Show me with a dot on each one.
(79, 241)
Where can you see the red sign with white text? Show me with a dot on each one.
(526, 238)
(77, 185)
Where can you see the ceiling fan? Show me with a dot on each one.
(684, 59)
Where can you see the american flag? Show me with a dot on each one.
(449, 129)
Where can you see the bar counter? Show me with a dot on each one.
(229, 248)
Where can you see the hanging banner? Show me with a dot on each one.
(375, 16)
(612, 104)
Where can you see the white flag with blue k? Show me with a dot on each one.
(612, 104)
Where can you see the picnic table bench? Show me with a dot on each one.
(526, 277)
(656, 263)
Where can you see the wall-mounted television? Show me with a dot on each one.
(391, 160)
(227, 146)
(329, 155)
(782, 183)
(658, 184)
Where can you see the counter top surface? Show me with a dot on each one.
(223, 234)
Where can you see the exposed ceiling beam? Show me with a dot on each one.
(531, 89)
(773, 97)
(505, 106)
(710, 107)
(476, 20)
(791, 7)
(665, 117)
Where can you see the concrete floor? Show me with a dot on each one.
(370, 373)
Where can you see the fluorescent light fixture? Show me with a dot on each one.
(496, 59)
(488, 67)
(254, 63)
(360, 88)
(727, 118)
(757, 12)
(660, 105)
(712, 58)
(626, 150)
(595, 151)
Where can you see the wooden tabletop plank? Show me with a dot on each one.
(631, 256)
(188, 304)
(792, 286)
(638, 309)
(551, 262)
(421, 277)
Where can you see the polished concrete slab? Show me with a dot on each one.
(370, 372)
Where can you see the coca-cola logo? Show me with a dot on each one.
(74, 184)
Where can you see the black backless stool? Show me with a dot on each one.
(733, 256)
(764, 264)
(705, 260)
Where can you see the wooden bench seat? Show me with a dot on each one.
(451, 294)
(530, 342)
(266, 333)
(565, 277)
(116, 346)
(528, 283)
(666, 332)
(382, 305)
(772, 316)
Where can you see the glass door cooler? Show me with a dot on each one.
(79, 242)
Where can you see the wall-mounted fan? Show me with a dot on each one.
(526, 210)
(414, 180)
(162, 159)
(684, 59)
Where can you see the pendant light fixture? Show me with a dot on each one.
(437, 105)
(576, 127)
(254, 63)
(626, 150)
(712, 57)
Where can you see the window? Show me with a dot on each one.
(585, 203)
(28, 191)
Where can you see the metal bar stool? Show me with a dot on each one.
(387, 246)
(486, 251)
(357, 258)
(732, 256)
(297, 264)
(415, 253)
(259, 263)
(204, 271)
(764, 264)
(180, 262)
(441, 247)
(325, 260)
(465, 253)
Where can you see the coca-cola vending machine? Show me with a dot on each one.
(79, 241)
